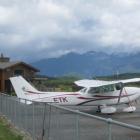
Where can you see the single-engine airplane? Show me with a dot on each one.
(103, 94)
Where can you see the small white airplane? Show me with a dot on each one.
(103, 94)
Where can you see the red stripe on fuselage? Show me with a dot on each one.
(100, 97)
(65, 94)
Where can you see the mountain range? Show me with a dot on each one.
(89, 64)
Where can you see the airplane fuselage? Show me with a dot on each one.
(128, 95)
(94, 93)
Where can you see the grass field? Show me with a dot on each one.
(6, 131)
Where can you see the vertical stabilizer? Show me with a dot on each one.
(23, 89)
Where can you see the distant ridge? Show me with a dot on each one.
(89, 64)
(119, 76)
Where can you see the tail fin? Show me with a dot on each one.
(23, 89)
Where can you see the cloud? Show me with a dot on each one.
(49, 28)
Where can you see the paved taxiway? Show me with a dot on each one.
(118, 133)
(131, 118)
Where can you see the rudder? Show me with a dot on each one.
(23, 89)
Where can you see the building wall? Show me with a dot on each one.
(27, 72)
(0, 80)
(5, 85)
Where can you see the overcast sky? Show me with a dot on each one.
(35, 29)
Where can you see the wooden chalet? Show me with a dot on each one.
(13, 68)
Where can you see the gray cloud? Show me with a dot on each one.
(34, 29)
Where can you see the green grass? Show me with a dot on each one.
(6, 131)
(65, 83)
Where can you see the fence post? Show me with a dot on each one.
(49, 124)
(33, 121)
(19, 113)
(43, 125)
(77, 126)
(109, 120)
(0, 103)
(15, 113)
(25, 115)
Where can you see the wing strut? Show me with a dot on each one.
(121, 84)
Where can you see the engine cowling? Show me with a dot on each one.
(129, 109)
(108, 110)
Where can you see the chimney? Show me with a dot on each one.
(4, 59)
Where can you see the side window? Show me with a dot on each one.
(94, 90)
(111, 88)
(101, 89)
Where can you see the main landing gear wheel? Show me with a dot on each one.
(98, 110)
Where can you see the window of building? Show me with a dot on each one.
(18, 72)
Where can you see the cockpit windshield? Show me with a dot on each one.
(102, 89)
(83, 90)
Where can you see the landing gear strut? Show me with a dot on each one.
(99, 109)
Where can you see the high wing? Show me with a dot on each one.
(98, 83)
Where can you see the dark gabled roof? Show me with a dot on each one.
(5, 65)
